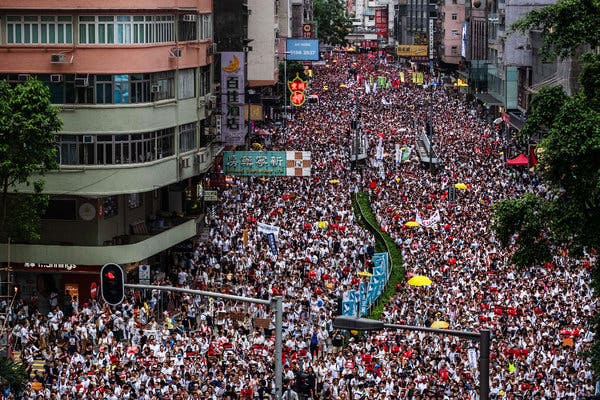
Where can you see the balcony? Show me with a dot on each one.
(121, 249)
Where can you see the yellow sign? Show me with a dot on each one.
(460, 82)
(404, 50)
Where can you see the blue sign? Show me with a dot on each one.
(302, 49)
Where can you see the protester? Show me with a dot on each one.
(176, 346)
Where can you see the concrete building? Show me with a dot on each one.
(415, 19)
(452, 26)
(133, 81)
(373, 23)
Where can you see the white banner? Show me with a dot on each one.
(266, 229)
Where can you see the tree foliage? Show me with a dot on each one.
(28, 124)
(564, 25)
(13, 375)
(333, 22)
(569, 152)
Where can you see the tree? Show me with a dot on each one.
(28, 124)
(564, 25)
(14, 375)
(333, 22)
(569, 152)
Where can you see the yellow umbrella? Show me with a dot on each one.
(334, 181)
(343, 85)
(365, 273)
(440, 324)
(460, 186)
(419, 280)
(411, 224)
(322, 224)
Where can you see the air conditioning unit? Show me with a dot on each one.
(175, 52)
(23, 77)
(88, 139)
(155, 88)
(58, 58)
(190, 17)
(82, 82)
(56, 78)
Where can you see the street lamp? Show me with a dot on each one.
(365, 324)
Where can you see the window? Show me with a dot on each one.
(126, 29)
(121, 92)
(204, 84)
(455, 33)
(135, 200)
(104, 89)
(123, 148)
(454, 17)
(186, 83)
(188, 30)
(110, 206)
(39, 29)
(140, 88)
(187, 137)
(454, 50)
(206, 26)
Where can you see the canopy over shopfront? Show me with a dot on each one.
(519, 161)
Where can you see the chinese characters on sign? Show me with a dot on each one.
(297, 86)
(266, 163)
(233, 127)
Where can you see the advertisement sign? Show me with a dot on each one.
(405, 50)
(431, 38)
(463, 40)
(267, 163)
(233, 126)
(302, 49)
(381, 22)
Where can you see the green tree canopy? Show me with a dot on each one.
(333, 22)
(28, 126)
(565, 26)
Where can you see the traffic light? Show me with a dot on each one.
(112, 284)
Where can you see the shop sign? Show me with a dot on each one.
(66, 267)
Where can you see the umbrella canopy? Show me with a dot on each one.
(419, 280)
(411, 224)
(440, 324)
(334, 181)
(365, 273)
(460, 186)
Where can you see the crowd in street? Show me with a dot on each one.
(175, 346)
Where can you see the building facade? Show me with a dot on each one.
(133, 83)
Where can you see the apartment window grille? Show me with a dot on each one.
(126, 29)
(35, 29)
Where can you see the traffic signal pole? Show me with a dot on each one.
(275, 303)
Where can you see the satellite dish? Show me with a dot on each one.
(87, 211)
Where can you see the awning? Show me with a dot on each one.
(489, 99)
(519, 161)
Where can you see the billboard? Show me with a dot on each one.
(266, 163)
(302, 49)
(233, 83)
(381, 22)
(404, 50)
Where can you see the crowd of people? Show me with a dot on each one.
(177, 346)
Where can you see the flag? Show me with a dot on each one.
(272, 243)
(367, 87)
(406, 153)
(402, 76)
(434, 219)
(375, 87)
(399, 151)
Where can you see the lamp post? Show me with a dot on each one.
(365, 324)
(285, 93)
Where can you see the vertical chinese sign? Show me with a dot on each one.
(233, 83)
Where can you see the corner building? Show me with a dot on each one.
(133, 81)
